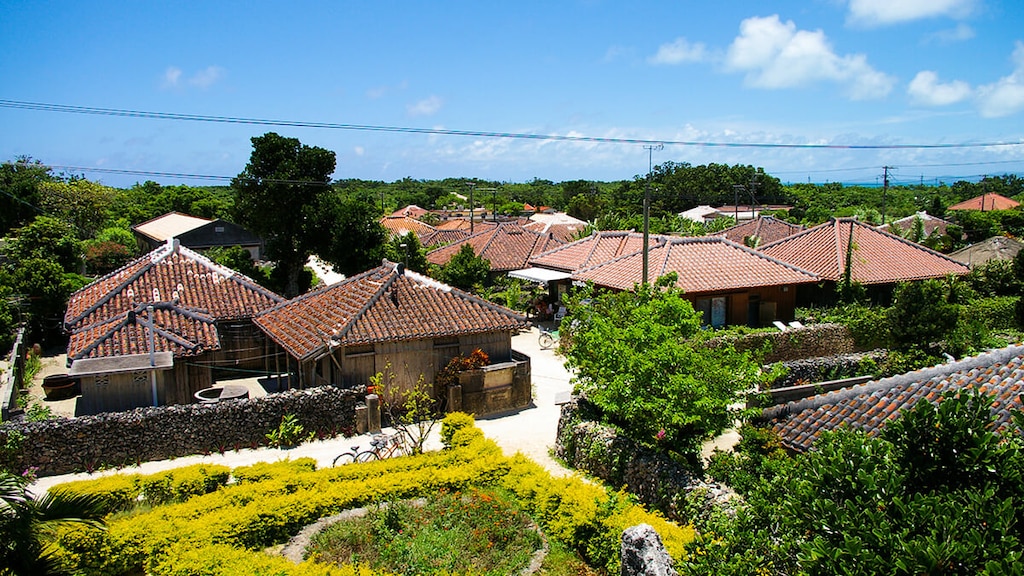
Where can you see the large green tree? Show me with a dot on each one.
(279, 197)
(642, 357)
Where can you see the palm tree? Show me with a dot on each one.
(28, 525)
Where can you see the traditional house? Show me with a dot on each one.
(389, 319)
(508, 246)
(986, 203)
(154, 331)
(930, 225)
(995, 248)
(558, 224)
(402, 225)
(760, 231)
(869, 407)
(196, 233)
(728, 282)
(845, 247)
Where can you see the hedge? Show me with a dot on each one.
(226, 530)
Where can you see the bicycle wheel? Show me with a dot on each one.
(344, 458)
(367, 455)
(546, 340)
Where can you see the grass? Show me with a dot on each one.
(478, 531)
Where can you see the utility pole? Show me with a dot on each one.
(885, 189)
(472, 186)
(647, 203)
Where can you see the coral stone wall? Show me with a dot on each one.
(795, 344)
(657, 480)
(66, 445)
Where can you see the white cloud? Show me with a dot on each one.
(1005, 96)
(776, 55)
(206, 77)
(358, 150)
(961, 33)
(425, 107)
(171, 77)
(925, 89)
(678, 52)
(883, 12)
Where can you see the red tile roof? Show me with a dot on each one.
(402, 225)
(174, 274)
(597, 248)
(565, 232)
(703, 265)
(411, 211)
(463, 224)
(877, 257)
(929, 223)
(768, 228)
(379, 305)
(508, 246)
(986, 202)
(869, 407)
(178, 330)
(439, 238)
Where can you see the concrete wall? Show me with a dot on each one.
(66, 445)
(494, 388)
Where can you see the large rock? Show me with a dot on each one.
(643, 553)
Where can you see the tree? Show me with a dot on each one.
(642, 357)
(347, 233)
(19, 191)
(28, 524)
(79, 202)
(278, 196)
(407, 249)
(466, 270)
(922, 315)
(46, 238)
(936, 493)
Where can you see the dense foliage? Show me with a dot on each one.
(937, 493)
(642, 358)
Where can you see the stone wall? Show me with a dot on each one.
(657, 480)
(67, 445)
(809, 370)
(797, 343)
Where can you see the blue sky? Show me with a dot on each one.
(813, 72)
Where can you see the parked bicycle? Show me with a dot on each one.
(547, 338)
(381, 446)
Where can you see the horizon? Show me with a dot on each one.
(819, 92)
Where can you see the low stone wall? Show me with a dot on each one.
(67, 445)
(657, 480)
(810, 370)
(797, 343)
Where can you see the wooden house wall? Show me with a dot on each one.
(119, 391)
(738, 311)
(244, 350)
(405, 360)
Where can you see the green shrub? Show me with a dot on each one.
(995, 313)
(181, 484)
(120, 491)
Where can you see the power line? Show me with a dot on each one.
(22, 105)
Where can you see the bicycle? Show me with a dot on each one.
(381, 446)
(384, 446)
(547, 338)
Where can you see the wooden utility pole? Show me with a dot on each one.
(885, 189)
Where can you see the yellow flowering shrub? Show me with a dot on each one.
(226, 531)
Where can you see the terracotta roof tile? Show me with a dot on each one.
(705, 264)
(382, 304)
(508, 246)
(870, 406)
(172, 274)
(402, 225)
(598, 248)
(439, 238)
(177, 330)
(768, 228)
(986, 202)
(877, 257)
